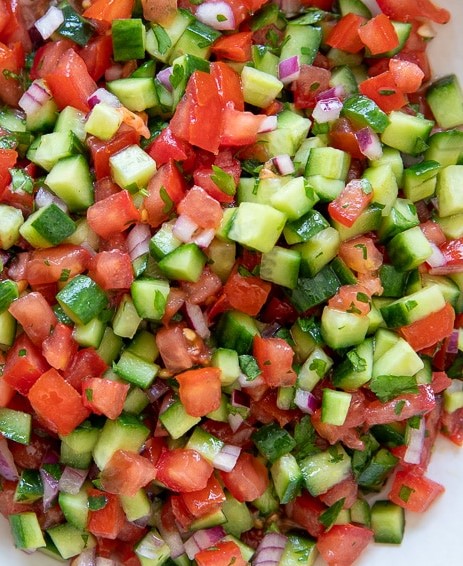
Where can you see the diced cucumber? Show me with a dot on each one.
(304, 228)
(414, 306)
(71, 119)
(384, 184)
(55, 146)
(103, 121)
(369, 220)
(185, 263)
(82, 299)
(302, 41)
(328, 162)
(356, 369)
(312, 291)
(152, 550)
(363, 111)
(161, 39)
(341, 329)
(144, 346)
(387, 522)
(236, 331)
(445, 147)
(323, 470)
(136, 506)
(299, 551)
(177, 421)
(70, 541)
(26, 531)
(259, 88)
(335, 405)
(71, 181)
(402, 216)
(196, 40)
(129, 36)
(400, 359)
(287, 478)
(150, 297)
(29, 487)
(407, 133)
(445, 99)
(315, 367)
(420, 180)
(132, 168)
(89, 335)
(294, 198)
(239, 518)
(126, 320)
(409, 249)
(136, 370)
(378, 469)
(11, 220)
(228, 362)
(449, 190)
(318, 251)
(47, 227)
(75, 507)
(15, 425)
(281, 266)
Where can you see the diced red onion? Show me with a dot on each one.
(268, 124)
(415, 443)
(369, 143)
(49, 22)
(202, 539)
(204, 237)
(72, 480)
(4, 258)
(226, 459)
(34, 97)
(103, 95)
(18, 266)
(218, 15)
(164, 78)
(50, 489)
(138, 240)
(306, 401)
(150, 545)
(44, 198)
(270, 550)
(270, 330)
(240, 399)
(284, 164)
(437, 258)
(327, 110)
(247, 383)
(8, 468)
(289, 69)
(289, 8)
(173, 540)
(446, 269)
(452, 344)
(101, 561)
(85, 558)
(198, 320)
(235, 420)
(157, 390)
(184, 228)
(113, 72)
(337, 91)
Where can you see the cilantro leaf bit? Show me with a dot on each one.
(249, 367)
(223, 180)
(162, 38)
(97, 502)
(387, 387)
(358, 363)
(273, 442)
(328, 517)
(21, 181)
(305, 437)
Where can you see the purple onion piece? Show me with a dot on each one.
(240, 399)
(7, 466)
(50, 489)
(327, 110)
(164, 78)
(289, 69)
(226, 459)
(86, 558)
(306, 401)
(198, 320)
(49, 22)
(72, 480)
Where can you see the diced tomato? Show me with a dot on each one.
(204, 501)
(407, 75)
(109, 10)
(70, 82)
(102, 150)
(59, 347)
(452, 426)
(203, 209)
(405, 10)
(56, 264)
(342, 136)
(361, 254)
(183, 470)
(35, 315)
(413, 491)
(452, 250)
(305, 510)
(240, 128)
(351, 298)
(345, 34)
(126, 473)
(274, 357)
(204, 173)
(6, 391)
(57, 403)
(236, 47)
(378, 35)
(266, 410)
(198, 116)
(108, 521)
(228, 84)
(431, 329)
(433, 232)
(383, 90)
(183, 518)
(440, 381)
(8, 159)
(222, 553)
(402, 407)
(112, 270)
(47, 57)
(248, 480)
(346, 489)
(8, 503)
(85, 363)
(166, 189)
(200, 390)
(173, 348)
(208, 285)
(104, 396)
(97, 54)
(351, 202)
(343, 544)
(159, 11)
(11, 63)
(311, 82)
(241, 437)
(167, 146)
(113, 214)
(24, 365)
(246, 293)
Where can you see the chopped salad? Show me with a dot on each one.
(231, 287)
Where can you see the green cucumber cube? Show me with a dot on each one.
(294, 198)
(47, 227)
(449, 190)
(26, 531)
(280, 266)
(136, 370)
(135, 93)
(132, 168)
(323, 470)
(257, 226)
(317, 252)
(363, 111)
(228, 362)
(82, 299)
(150, 297)
(445, 98)
(128, 37)
(55, 146)
(287, 478)
(69, 540)
(409, 249)
(259, 88)
(103, 121)
(152, 550)
(335, 405)
(160, 40)
(185, 263)
(126, 320)
(341, 329)
(15, 425)
(407, 133)
(328, 162)
(11, 220)
(8, 293)
(71, 181)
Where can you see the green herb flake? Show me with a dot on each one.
(362, 298)
(249, 367)
(97, 502)
(364, 250)
(21, 181)
(328, 517)
(168, 202)
(398, 407)
(22, 352)
(223, 180)
(159, 302)
(163, 39)
(358, 363)
(318, 366)
(177, 76)
(305, 437)
(65, 273)
(387, 387)
(405, 492)
(221, 18)
(89, 394)
(336, 455)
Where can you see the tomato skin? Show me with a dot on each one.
(97, 55)
(305, 510)
(411, 404)
(126, 473)
(108, 10)
(57, 403)
(408, 76)
(312, 80)
(203, 172)
(236, 47)
(429, 330)
(50, 265)
(173, 348)
(108, 521)
(392, 99)
(167, 146)
(378, 35)
(59, 347)
(200, 390)
(228, 84)
(24, 365)
(274, 357)
(85, 363)
(11, 59)
(423, 491)
(204, 501)
(246, 293)
(239, 128)
(347, 489)
(343, 544)
(361, 254)
(113, 214)
(266, 410)
(351, 298)
(8, 159)
(345, 34)
(350, 203)
(112, 270)
(248, 480)
(104, 396)
(203, 209)
(35, 316)
(158, 10)
(222, 553)
(166, 189)
(47, 57)
(183, 470)
(70, 82)
(405, 10)
(342, 136)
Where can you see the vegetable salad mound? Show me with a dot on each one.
(231, 254)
